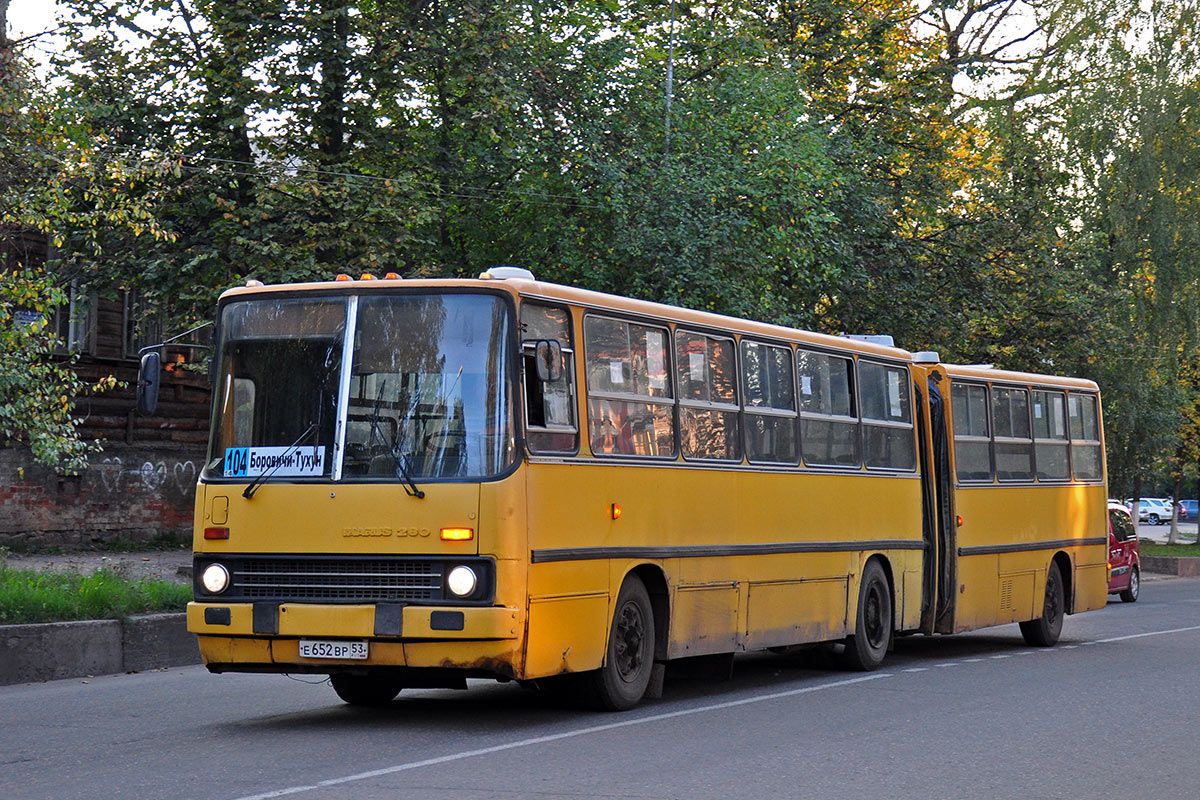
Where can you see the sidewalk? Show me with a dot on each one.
(57, 650)
(1159, 533)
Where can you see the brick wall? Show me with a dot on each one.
(131, 493)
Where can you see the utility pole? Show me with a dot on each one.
(670, 74)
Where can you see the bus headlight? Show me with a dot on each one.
(215, 578)
(462, 581)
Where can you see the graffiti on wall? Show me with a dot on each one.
(115, 477)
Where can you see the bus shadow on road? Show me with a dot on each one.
(491, 707)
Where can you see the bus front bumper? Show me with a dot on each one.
(266, 637)
(391, 621)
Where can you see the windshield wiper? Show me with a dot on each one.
(410, 486)
(249, 491)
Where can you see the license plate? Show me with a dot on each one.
(332, 648)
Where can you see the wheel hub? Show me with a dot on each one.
(630, 640)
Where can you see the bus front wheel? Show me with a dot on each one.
(1044, 631)
(365, 690)
(873, 628)
(621, 683)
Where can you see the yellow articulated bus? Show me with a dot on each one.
(412, 482)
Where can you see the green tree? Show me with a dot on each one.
(36, 388)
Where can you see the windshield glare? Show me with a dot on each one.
(429, 388)
(429, 391)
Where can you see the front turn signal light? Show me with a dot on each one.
(457, 534)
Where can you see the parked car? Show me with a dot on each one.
(1152, 510)
(1124, 563)
(1188, 511)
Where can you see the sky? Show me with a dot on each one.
(27, 17)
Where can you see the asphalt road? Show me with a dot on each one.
(1110, 712)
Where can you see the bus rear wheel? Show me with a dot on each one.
(1044, 631)
(621, 683)
(873, 628)
(365, 690)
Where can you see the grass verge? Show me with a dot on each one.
(27, 596)
(1154, 549)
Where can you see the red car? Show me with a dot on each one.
(1124, 567)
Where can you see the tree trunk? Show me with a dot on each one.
(1173, 536)
(1136, 502)
(334, 52)
(6, 48)
(1197, 542)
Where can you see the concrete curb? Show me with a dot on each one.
(58, 650)
(1181, 566)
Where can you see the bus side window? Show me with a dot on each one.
(884, 395)
(769, 404)
(549, 404)
(1050, 436)
(1014, 439)
(828, 423)
(1085, 436)
(708, 410)
(630, 408)
(972, 437)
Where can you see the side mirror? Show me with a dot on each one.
(149, 373)
(549, 360)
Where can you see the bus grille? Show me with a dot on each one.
(354, 579)
(350, 578)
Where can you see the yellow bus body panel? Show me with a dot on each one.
(717, 604)
(374, 518)
(997, 588)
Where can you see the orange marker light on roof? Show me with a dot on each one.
(343, 277)
(391, 276)
(252, 283)
(366, 276)
(457, 534)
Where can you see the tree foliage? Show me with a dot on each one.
(1010, 183)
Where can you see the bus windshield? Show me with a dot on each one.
(429, 388)
(429, 395)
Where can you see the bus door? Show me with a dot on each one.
(937, 608)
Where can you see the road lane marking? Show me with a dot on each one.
(1148, 633)
(917, 669)
(555, 737)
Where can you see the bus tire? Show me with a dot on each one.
(629, 658)
(1044, 631)
(873, 626)
(365, 690)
